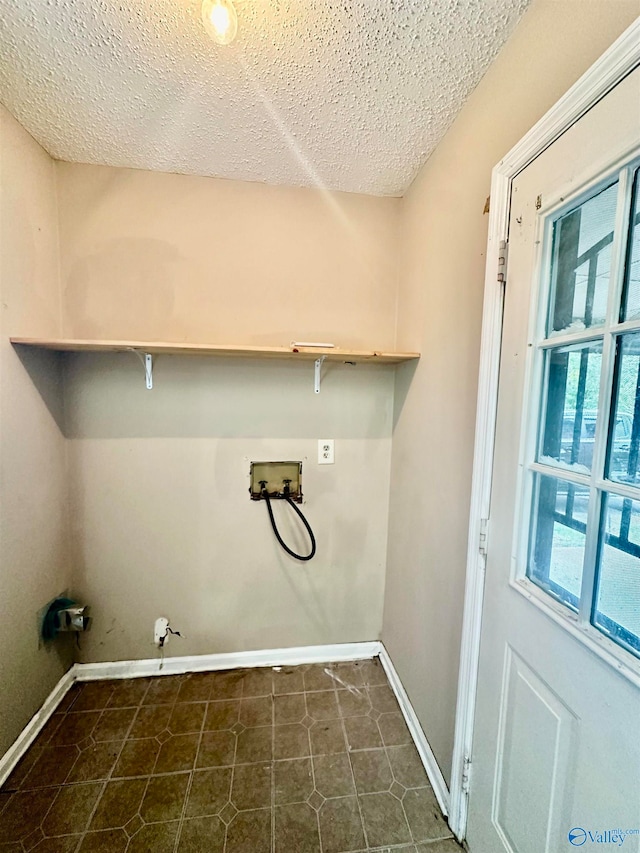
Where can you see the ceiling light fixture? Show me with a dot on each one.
(220, 20)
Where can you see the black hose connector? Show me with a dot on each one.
(304, 559)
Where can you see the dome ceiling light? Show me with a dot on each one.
(220, 20)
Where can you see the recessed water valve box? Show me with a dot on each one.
(280, 479)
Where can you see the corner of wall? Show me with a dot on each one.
(35, 555)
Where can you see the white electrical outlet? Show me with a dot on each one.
(160, 630)
(326, 451)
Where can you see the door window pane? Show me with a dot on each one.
(565, 543)
(624, 432)
(582, 242)
(632, 268)
(573, 383)
(616, 609)
(558, 526)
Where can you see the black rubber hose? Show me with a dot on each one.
(291, 553)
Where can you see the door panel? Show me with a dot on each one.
(536, 740)
(556, 737)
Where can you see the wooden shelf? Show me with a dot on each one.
(164, 348)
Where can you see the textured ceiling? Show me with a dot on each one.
(345, 94)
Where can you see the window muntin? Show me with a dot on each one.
(631, 301)
(584, 513)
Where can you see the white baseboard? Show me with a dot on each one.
(232, 660)
(427, 757)
(35, 725)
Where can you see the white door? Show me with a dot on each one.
(556, 747)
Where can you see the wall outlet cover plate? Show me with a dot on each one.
(326, 451)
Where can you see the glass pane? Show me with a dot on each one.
(573, 383)
(581, 263)
(624, 431)
(632, 269)
(616, 610)
(558, 524)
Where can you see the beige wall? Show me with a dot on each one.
(444, 236)
(150, 256)
(162, 521)
(34, 559)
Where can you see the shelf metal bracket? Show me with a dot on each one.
(147, 363)
(148, 370)
(318, 373)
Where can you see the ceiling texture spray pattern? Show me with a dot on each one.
(343, 94)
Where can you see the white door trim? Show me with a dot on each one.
(618, 61)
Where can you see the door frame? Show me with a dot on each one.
(615, 64)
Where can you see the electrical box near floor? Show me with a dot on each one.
(280, 479)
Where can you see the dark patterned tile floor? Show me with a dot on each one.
(307, 759)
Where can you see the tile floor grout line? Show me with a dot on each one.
(146, 787)
(313, 768)
(273, 771)
(162, 775)
(236, 735)
(46, 814)
(377, 722)
(81, 836)
(406, 817)
(404, 811)
(353, 778)
(393, 776)
(191, 773)
(105, 782)
(411, 788)
(389, 847)
(346, 743)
